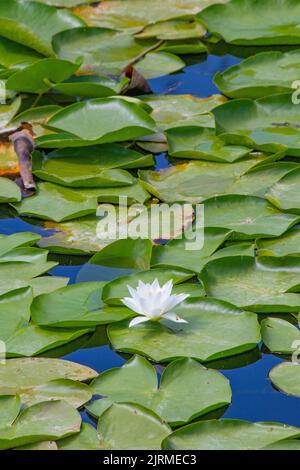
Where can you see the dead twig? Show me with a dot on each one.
(24, 145)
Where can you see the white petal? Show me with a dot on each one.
(167, 288)
(173, 317)
(175, 300)
(130, 303)
(137, 321)
(132, 291)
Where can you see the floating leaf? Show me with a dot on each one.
(260, 75)
(104, 120)
(9, 191)
(128, 254)
(134, 193)
(131, 427)
(9, 409)
(156, 64)
(53, 202)
(33, 24)
(181, 110)
(44, 421)
(228, 434)
(89, 86)
(247, 22)
(173, 30)
(8, 111)
(17, 240)
(284, 195)
(286, 377)
(14, 55)
(280, 336)
(267, 124)
(187, 390)
(264, 284)
(14, 311)
(89, 167)
(214, 330)
(286, 245)
(75, 306)
(87, 439)
(36, 77)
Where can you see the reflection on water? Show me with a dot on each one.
(254, 398)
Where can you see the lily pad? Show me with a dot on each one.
(187, 390)
(134, 16)
(19, 374)
(228, 434)
(90, 167)
(214, 330)
(265, 124)
(131, 427)
(286, 245)
(8, 111)
(286, 377)
(173, 30)
(115, 290)
(260, 75)
(53, 202)
(9, 409)
(14, 55)
(284, 195)
(176, 254)
(248, 23)
(43, 421)
(37, 77)
(89, 86)
(200, 180)
(202, 143)
(280, 336)
(264, 284)
(87, 439)
(17, 240)
(75, 306)
(14, 311)
(128, 254)
(134, 193)
(104, 120)
(156, 64)
(33, 24)
(181, 110)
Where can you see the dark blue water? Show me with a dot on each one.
(254, 398)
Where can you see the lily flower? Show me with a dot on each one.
(153, 303)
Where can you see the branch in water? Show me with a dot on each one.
(23, 143)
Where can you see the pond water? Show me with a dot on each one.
(254, 398)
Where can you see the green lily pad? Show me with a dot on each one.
(228, 434)
(43, 421)
(249, 217)
(43, 445)
(64, 3)
(214, 330)
(104, 120)
(17, 275)
(247, 23)
(89, 86)
(187, 390)
(115, 290)
(182, 110)
(14, 311)
(265, 124)
(288, 444)
(286, 245)
(261, 75)
(173, 30)
(175, 253)
(264, 284)
(284, 195)
(8, 111)
(87, 439)
(33, 340)
(53, 202)
(156, 64)
(46, 284)
(199, 180)
(19, 374)
(14, 55)
(33, 24)
(286, 377)
(16, 240)
(128, 254)
(90, 167)
(134, 193)
(134, 16)
(36, 77)
(75, 306)
(202, 143)
(9, 409)
(280, 336)
(131, 427)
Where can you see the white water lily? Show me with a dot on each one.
(153, 303)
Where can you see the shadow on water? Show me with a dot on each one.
(254, 398)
